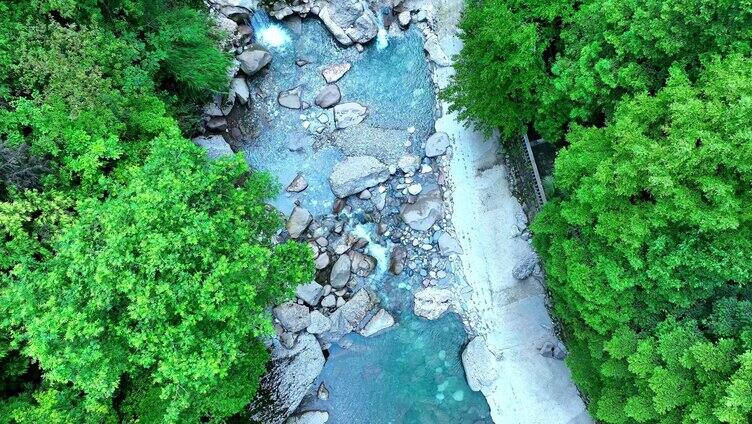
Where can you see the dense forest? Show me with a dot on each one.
(647, 243)
(135, 274)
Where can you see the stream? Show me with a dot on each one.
(411, 372)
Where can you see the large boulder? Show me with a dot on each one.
(309, 417)
(293, 317)
(349, 114)
(364, 28)
(349, 316)
(253, 59)
(340, 272)
(431, 302)
(320, 323)
(525, 266)
(239, 88)
(292, 372)
(426, 210)
(437, 144)
(215, 146)
(299, 220)
(381, 321)
(479, 364)
(328, 96)
(357, 173)
(327, 18)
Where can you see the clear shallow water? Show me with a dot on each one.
(411, 373)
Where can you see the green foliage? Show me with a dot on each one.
(554, 63)
(647, 250)
(135, 275)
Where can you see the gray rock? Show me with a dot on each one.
(323, 392)
(309, 417)
(310, 293)
(340, 272)
(525, 266)
(293, 317)
(479, 364)
(381, 321)
(329, 301)
(332, 73)
(408, 163)
(414, 189)
(299, 220)
(434, 50)
(349, 114)
(448, 244)
(217, 123)
(404, 18)
(322, 261)
(327, 18)
(348, 317)
(292, 371)
(379, 201)
(215, 146)
(431, 302)
(362, 265)
(290, 99)
(357, 173)
(319, 323)
(298, 184)
(253, 59)
(426, 210)
(239, 87)
(365, 195)
(397, 260)
(364, 28)
(328, 96)
(437, 144)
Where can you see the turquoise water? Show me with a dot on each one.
(411, 373)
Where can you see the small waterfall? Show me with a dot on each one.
(382, 38)
(268, 33)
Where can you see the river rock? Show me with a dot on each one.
(426, 210)
(381, 321)
(320, 323)
(293, 317)
(253, 59)
(292, 371)
(309, 417)
(431, 302)
(525, 266)
(408, 163)
(479, 364)
(290, 99)
(340, 272)
(239, 88)
(348, 316)
(326, 15)
(404, 18)
(448, 244)
(357, 173)
(215, 146)
(361, 264)
(322, 260)
(328, 96)
(364, 28)
(414, 189)
(310, 293)
(435, 52)
(323, 392)
(332, 73)
(437, 144)
(299, 220)
(397, 260)
(379, 200)
(349, 114)
(298, 184)
(329, 301)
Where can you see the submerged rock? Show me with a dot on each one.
(215, 146)
(298, 184)
(431, 302)
(349, 114)
(426, 210)
(357, 173)
(332, 73)
(253, 59)
(328, 96)
(290, 99)
(479, 364)
(381, 321)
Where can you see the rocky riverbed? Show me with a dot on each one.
(342, 110)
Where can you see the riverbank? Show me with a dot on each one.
(517, 356)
